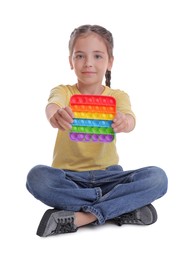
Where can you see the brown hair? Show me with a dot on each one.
(101, 31)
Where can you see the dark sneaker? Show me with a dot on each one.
(56, 222)
(143, 216)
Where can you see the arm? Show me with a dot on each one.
(123, 123)
(58, 117)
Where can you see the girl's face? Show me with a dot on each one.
(90, 60)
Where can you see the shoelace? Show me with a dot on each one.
(129, 218)
(64, 225)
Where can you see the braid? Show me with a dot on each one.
(108, 78)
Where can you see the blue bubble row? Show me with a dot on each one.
(92, 122)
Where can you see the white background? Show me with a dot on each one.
(155, 63)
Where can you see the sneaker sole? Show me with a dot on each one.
(44, 220)
(154, 213)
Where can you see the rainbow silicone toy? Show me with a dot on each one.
(93, 118)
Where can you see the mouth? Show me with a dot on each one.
(88, 72)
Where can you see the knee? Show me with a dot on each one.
(33, 173)
(160, 179)
(34, 177)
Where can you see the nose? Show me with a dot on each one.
(88, 62)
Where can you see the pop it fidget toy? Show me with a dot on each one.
(93, 118)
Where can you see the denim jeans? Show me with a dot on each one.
(104, 193)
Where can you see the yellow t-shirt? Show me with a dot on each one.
(84, 156)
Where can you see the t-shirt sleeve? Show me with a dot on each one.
(59, 96)
(123, 103)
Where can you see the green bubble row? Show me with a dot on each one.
(92, 130)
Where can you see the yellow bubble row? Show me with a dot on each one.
(90, 115)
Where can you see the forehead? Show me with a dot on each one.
(90, 41)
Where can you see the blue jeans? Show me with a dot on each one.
(104, 193)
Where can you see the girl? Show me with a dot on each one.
(85, 183)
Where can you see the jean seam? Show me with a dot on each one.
(98, 193)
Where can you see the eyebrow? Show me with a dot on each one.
(93, 51)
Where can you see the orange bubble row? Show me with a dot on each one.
(93, 108)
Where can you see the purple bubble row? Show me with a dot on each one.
(83, 137)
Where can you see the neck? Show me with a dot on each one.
(91, 90)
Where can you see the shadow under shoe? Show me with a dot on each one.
(56, 222)
(146, 215)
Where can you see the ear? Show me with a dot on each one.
(70, 61)
(110, 63)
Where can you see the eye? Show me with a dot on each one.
(79, 56)
(98, 56)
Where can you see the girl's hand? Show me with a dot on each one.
(62, 119)
(123, 123)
